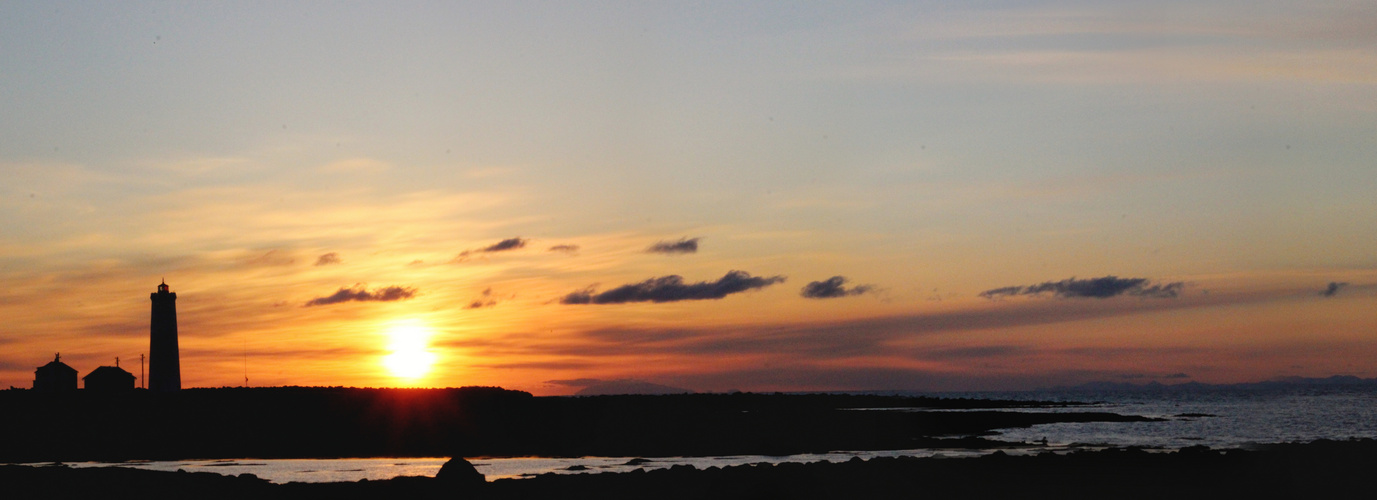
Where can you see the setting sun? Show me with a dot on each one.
(409, 356)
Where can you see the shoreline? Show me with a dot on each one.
(1317, 469)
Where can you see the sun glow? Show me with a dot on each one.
(409, 354)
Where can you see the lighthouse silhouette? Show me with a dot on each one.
(164, 370)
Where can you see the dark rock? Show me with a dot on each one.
(460, 472)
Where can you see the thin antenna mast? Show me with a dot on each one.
(141, 371)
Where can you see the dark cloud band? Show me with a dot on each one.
(684, 245)
(501, 246)
(504, 245)
(1096, 288)
(672, 289)
(832, 288)
(360, 293)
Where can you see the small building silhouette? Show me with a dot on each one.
(109, 379)
(55, 376)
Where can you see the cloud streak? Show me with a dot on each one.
(673, 289)
(327, 259)
(832, 288)
(876, 337)
(684, 245)
(578, 382)
(505, 245)
(501, 246)
(1333, 288)
(1096, 288)
(360, 293)
(271, 259)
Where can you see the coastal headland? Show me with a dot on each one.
(323, 422)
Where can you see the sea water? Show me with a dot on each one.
(1218, 418)
(353, 469)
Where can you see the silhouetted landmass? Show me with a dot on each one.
(1323, 469)
(300, 422)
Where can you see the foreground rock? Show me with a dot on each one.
(459, 474)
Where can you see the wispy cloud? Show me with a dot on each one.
(684, 245)
(564, 248)
(672, 289)
(360, 293)
(784, 376)
(273, 258)
(876, 337)
(832, 288)
(485, 300)
(537, 365)
(328, 259)
(578, 382)
(1333, 288)
(1098, 288)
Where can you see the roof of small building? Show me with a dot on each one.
(108, 371)
(57, 365)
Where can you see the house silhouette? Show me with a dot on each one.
(55, 376)
(109, 379)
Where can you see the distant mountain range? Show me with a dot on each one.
(1279, 383)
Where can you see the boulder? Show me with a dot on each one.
(461, 473)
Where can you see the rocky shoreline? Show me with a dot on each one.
(1322, 469)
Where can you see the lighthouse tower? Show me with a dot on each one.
(164, 370)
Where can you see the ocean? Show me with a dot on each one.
(1214, 417)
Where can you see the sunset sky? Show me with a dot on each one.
(545, 196)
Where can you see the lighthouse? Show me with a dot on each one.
(164, 370)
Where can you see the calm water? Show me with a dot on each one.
(1218, 419)
(354, 469)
